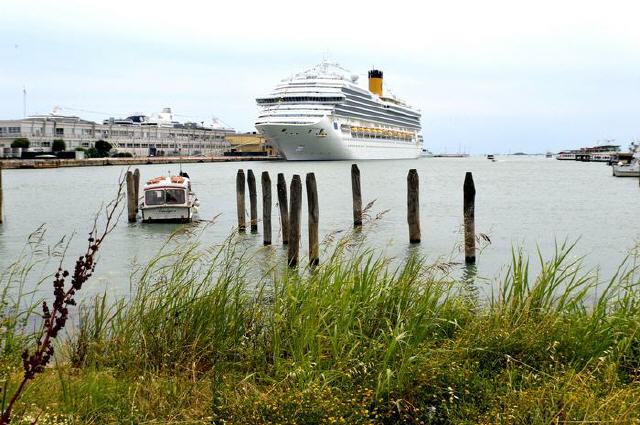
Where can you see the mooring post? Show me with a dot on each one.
(242, 226)
(1, 210)
(357, 196)
(294, 221)
(253, 201)
(469, 190)
(284, 208)
(314, 216)
(136, 183)
(266, 207)
(131, 198)
(413, 205)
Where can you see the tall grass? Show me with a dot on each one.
(20, 291)
(219, 333)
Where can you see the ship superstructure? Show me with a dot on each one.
(323, 114)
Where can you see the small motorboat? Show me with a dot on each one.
(426, 153)
(169, 199)
(631, 169)
(491, 157)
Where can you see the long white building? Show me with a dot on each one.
(324, 114)
(139, 135)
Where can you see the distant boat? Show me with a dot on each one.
(548, 155)
(426, 153)
(567, 155)
(627, 170)
(628, 166)
(451, 155)
(491, 157)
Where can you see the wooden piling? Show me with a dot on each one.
(266, 207)
(295, 209)
(1, 210)
(357, 196)
(131, 198)
(284, 208)
(253, 201)
(469, 195)
(242, 226)
(314, 216)
(413, 206)
(136, 184)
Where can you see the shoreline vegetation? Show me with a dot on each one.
(207, 336)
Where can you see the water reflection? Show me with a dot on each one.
(470, 281)
(522, 201)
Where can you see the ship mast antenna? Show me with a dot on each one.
(24, 102)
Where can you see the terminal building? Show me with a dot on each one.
(139, 135)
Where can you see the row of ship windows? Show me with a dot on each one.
(291, 115)
(402, 141)
(367, 100)
(373, 118)
(298, 99)
(364, 111)
(347, 112)
(380, 136)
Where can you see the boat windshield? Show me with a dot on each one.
(162, 196)
(154, 197)
(175, 196)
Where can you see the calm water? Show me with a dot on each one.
(524, 202)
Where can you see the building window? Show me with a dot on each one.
(14, 130)
(46, 144)
(59, 131)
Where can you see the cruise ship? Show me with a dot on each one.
(324, 114)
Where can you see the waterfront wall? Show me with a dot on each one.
(91, 162)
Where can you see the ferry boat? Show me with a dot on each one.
(169, 199)
(601, 153)
(567, 155)
(324, 114)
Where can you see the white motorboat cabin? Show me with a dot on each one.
(168, 199)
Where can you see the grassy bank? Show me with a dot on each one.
(206, 338)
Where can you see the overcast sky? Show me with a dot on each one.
(489, 76)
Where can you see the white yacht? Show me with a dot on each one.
(627, 169)
(323, 114)
(426, 153)
(169, 199)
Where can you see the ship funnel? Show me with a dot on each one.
(375, 82)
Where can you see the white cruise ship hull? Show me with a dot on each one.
(320, 141)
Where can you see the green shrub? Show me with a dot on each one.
(58, 145)
(20, 143)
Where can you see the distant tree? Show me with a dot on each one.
(20, 143)
(103, 147)
(58, 145)
(80, 149)
(91, 153)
